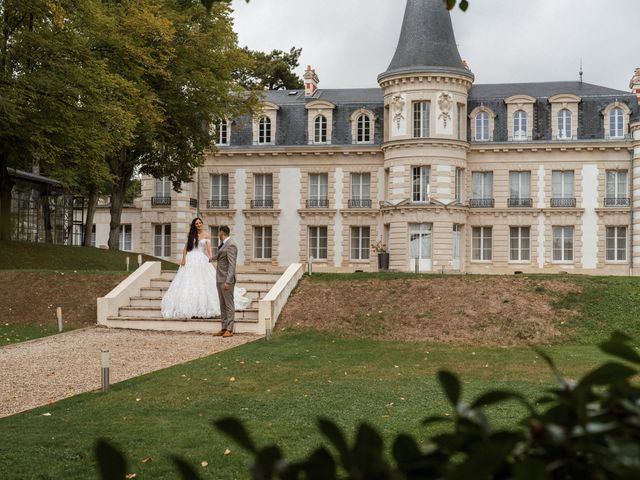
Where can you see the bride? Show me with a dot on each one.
(192, 292)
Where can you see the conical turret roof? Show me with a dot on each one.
(427, 42)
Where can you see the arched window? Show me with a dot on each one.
(264, 130)
(482, 127)
(320, 129)
(564, 124)
(616, 123)
(520, 125)
(222, 133)
(364, 129)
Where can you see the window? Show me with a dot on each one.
(481, 240)
(364, 129)
(124, 237)
(564, 124)
(482, 190)
(219, 191)
(320, 129)
(215, 239)
(263, 191)
(318, 243)
(461, 119)
(616, 123)
(520, 244)
(221, 133)
(163, 187)
(616, 244)
(520, 125)
(264, 131)
(262, 238)
(482, 127)
(420, 119)
(360, 190)
(520, 189)
(420, 237)
(318, 190)
(617, 185)
(562, 189)
(563, 244)
(421, 184)
(93, 235)
(162, 241)
(459, 184)
(360, 241)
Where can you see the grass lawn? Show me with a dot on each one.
(15, 333)
(280, 388)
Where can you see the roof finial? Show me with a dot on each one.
(581, 72)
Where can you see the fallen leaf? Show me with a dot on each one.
(130, 475)
(46, 414)
(147, 460)
(232, 379)
(204, 464)
(227, 452)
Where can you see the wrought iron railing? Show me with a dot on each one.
(160, 201)
(262, 203)
(482, 203)
(359, 203)
(617, 201)
(563, 202)
(219, 203)
(318, 203)
(193, 202)
(519, 202)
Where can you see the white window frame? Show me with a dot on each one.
(616, 123)
(219, 187)
(360, 244)
(162, 240)
(421, 239)
(565, 124)
(221, 133)
(265, 130)
(564, 253)
(320, 129)
(459, 185)
(319, 243)
(262, 243)
(566, 187)
(616, 244)
(519, 244)
(263, 186)
(214, 230)
(485, 190)
(461, 121)
(520, 120)
(421, 111)
(520, 185)
(482, 127)
(163, 187)
(360, 186)
(482, 244)
(363, 129)
(125, 237)
(319, 186)
(421, 184)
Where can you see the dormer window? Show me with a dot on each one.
(616, 123)
(482, 124)
(564, 124)
(616, 120)
(364, 129)
(320, 129)
(264, 131)
(520, 125)
(221, 133)
(482, 127)
(362, 126)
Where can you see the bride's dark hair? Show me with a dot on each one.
(192, 239)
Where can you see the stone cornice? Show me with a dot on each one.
(425, 142)
(427, 78)
(541, 146)
(303, 150)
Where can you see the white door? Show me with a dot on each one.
(457, 246)
(420, 240)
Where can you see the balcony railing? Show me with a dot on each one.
(262, 203)
(193, 202)
(482, 203)
(219, 203)
(318, 203)
(359, 203)
(160, 201)
(617, 202)
(519, 202)
(563, 202)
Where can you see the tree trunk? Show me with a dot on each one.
(46, 216)
(91, 211)
(6, 186)
(118, 192)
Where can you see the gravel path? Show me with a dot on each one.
(46, 370)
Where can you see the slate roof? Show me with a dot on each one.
(292, 117)
(427, 42)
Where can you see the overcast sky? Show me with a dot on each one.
(349, 42)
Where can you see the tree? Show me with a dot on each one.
(272, 71)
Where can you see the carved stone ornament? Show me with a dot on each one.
(398, 108)
(445, 101)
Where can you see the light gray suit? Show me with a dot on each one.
(226, 273)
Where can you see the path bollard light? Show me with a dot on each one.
(310, 266)
(139, 260)
(59, 316)
(105, 370)
(268, 328)
(126, 261)
(417, 267)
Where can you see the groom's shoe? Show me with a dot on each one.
(227, 334)
(221, 333)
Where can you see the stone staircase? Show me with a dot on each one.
(143, 310)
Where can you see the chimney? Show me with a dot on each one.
(634, 84)
(311, 81)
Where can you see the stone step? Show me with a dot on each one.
(156, 302)
(249, 285)
(160, 291)
(210, 325)
(240, 276)
(151, 312)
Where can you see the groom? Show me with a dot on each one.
(226, 280)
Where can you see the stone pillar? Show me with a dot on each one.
(635, 199)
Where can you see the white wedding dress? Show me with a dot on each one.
(193, 292)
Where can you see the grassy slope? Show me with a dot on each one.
(280, 388)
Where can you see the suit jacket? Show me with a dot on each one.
(226, 258)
